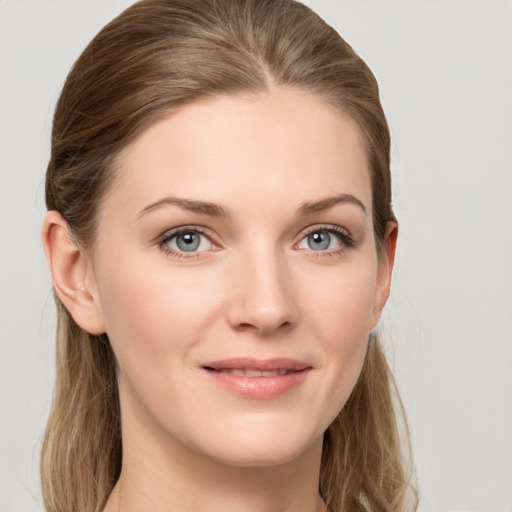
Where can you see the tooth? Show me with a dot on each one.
(274, 373)
(252, 373)
(281, 372)
(236, 371)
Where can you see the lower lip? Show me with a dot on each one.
(259, 387)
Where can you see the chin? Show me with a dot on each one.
(264, 446)
(254, 457)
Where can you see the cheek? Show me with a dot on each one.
(151, 313)
(341, 310)
(342, 301)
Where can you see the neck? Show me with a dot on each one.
(182, 481)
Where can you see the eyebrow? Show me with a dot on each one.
(216, 210)
(310, 207)
(204, 207)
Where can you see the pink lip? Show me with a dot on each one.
(291, 373)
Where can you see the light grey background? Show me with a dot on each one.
(446, 79)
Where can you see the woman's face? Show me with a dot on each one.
(237, 276)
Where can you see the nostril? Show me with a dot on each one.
(264, 328)
(246, 327)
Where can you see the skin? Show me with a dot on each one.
(256, 287)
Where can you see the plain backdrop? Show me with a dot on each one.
(445, 71)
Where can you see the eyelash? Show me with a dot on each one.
(346, 240)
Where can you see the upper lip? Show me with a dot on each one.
(249, 363)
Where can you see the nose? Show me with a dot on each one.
(262, 298)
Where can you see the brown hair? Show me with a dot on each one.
(156, 56)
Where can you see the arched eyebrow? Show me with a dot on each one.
(309, 207)
(202, 207)
(216, 210)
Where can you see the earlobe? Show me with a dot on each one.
(385, 270)
(72, 276)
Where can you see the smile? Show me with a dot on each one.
(260, 379)
(247, 372)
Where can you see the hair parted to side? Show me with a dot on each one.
(153, 58)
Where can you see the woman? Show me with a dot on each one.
(221, 241)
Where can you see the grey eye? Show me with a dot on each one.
(189, 241)
(319, 241)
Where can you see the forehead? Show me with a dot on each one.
(272, 146)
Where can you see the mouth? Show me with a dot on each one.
(253, 378)
(249, 372)
(250, 367)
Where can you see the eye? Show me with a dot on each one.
(325, 239)
(320, 241)
(187, 241)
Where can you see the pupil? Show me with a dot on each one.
(188, 242)
(319, 240)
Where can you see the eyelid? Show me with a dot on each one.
(186, 227)
(331, 228)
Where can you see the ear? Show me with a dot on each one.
(72, 275)
(384, 272)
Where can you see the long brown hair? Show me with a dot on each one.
(156, 56)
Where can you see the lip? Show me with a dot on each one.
(285, 375)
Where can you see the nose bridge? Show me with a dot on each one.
(263, 300)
